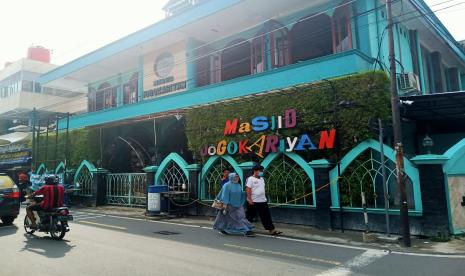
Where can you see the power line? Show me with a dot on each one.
(274, 30)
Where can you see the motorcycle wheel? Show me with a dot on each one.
(27, 226)
(58, 230)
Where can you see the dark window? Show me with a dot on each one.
(208, 67)
(453, 79)
(37, 87)
(105, 97)
(235, 60)
(312, 38)
(27, 86)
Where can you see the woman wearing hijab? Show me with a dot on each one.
(232, 220)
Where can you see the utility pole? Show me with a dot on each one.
(404, 219)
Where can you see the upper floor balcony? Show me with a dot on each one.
(230, 48)
(334, 65)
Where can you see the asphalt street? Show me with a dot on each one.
(110, 245)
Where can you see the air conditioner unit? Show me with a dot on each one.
(408, 83)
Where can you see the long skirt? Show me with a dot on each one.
(233, 222)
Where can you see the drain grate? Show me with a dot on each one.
(166, 233)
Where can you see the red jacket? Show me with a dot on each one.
(51, 200)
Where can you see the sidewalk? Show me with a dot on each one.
(351, 238)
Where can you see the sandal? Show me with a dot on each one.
(276, 233)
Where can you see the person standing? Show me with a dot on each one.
(225, 176)
(24, 185)
(232, 220)
(257, 202)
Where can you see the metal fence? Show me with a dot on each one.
(84, 183)
(127, 189)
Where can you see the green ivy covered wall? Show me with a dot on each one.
(345, 103)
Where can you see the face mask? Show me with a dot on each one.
(260, 174)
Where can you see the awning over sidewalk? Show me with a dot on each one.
(440, 106)
(14, 137)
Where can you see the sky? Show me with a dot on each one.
(74, 28)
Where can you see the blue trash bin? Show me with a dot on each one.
(156, 204)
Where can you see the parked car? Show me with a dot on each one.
(9, 199)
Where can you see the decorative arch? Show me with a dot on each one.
(373, 145)
(60, 168)
(235, 60)
(298, 174)
(210, 173)
(83, 178)
(41, 169)
(456, 163)
(172, 168)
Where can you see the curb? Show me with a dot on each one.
(387, 246)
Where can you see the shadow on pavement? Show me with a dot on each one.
(46, 246)
(8, 229)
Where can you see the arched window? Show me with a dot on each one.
(105, 97)
(342, 31)
(235, 60)
(289, 180)
(312, 38)
(130, 89)
(364, 175)
(211, 179)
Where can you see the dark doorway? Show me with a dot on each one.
(312, 38)
(235, 60)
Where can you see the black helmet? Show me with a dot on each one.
(50, 180)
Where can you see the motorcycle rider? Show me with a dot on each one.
(53, 198)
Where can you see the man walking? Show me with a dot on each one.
(256, 200)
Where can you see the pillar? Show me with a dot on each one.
(323, 219)
(435, 215)
(99, 186)
(150, 181)
(191, 65)
(140, 80)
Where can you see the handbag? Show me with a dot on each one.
(217, 204)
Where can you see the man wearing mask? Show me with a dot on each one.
(256, 200)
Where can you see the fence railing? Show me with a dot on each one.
(84, 183)
(126, 189)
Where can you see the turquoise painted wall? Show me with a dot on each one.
(367, 33)
(331, 66)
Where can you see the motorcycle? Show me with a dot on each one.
(54, 221)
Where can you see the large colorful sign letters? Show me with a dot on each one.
(267, 143)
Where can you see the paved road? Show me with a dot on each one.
(107, 245)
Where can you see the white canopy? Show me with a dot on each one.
(14, 137)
